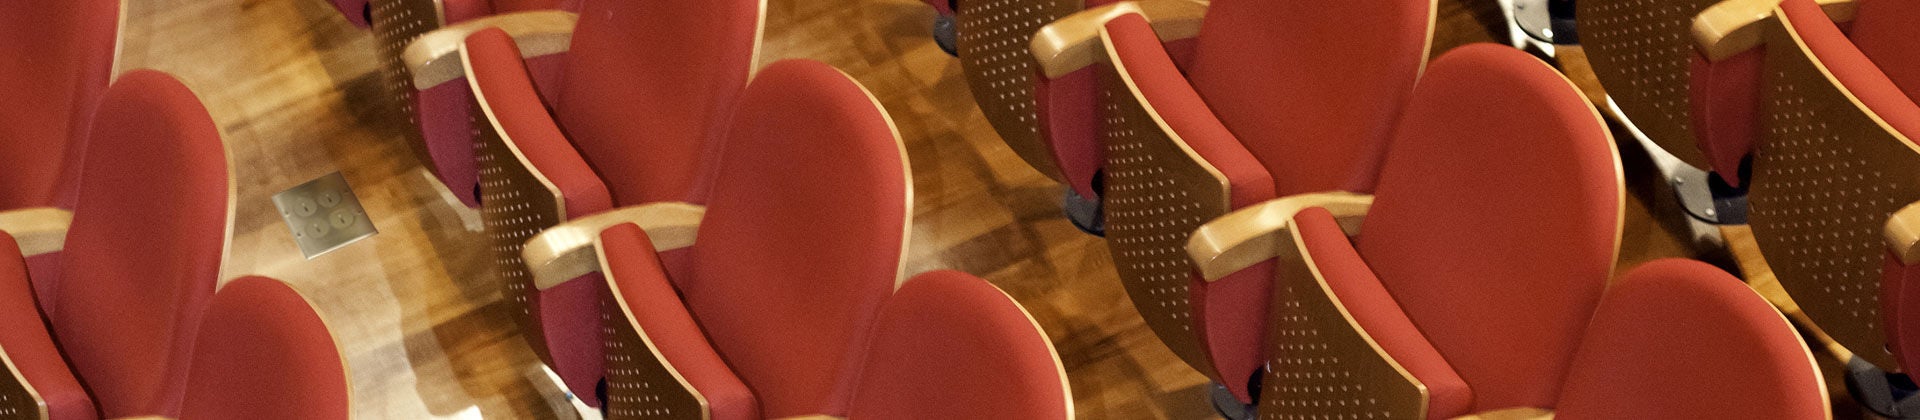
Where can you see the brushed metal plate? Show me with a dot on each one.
(323, 214)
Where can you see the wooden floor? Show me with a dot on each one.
(295, 89)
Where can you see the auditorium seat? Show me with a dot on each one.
(1705, 104)
(1457, 290)
(646, 87)
(1271, 108)
(795, 302)
(264, 352)
(61, 55)
(143, 251)
(442, 112)
(1825, 125)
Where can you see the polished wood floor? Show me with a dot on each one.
(295, 89)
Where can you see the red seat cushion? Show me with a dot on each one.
(265, 352)
(648, 83)
(950, 346)
(54, 63)
(1852, 68)
(1497, 219)
(641, 281)
(802, 237)
(1682, 339)
(24, 339)
(1884, 30)
(1378, 314)
(1317, 113)
(149, 231)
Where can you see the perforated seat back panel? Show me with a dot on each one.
(1319, 363)
(639, 386)
(514, 207)
(1825, 178)
(1642, 51)
(1157, 194)
(395, 24)
(994, 36)
(17, 399)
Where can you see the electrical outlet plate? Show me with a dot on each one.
(324, 215)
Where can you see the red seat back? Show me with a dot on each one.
(55, 59)
(1496, 220)
(1682, 339)
(950, 345)
(1312, 88)
(647, 83)
(149, 232)
(24, 339)
(264, 352)
(802, 237)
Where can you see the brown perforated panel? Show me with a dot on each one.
(1825, 178)
(639, 385)
(1641, 50)
(515, 205)
(395, 24)
(993, 37)
(1319, 365)
(16, 397)
(1157, 194)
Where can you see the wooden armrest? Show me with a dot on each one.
(1258, 233)
(1733, 26)
(39, 230)
(433, 58)
(1516, 413)
(565, 251)
(1903, 233)
(1073, 42)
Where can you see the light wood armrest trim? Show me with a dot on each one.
(1073, 42)
(1903, 233)
(1250, 235)
(1733, 26)
(1516, 413)
(39, 230)
(566, 251)
(434, 57)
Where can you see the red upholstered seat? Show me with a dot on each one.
(264, 352)
(639, 75)
(24, 341)
(445, 111)
(794, 273)
(646, 86)
(1873, 56)
(1315, 113)
(1277, 110)
(55, 59)
(1855, 70)
(1682, 339)
(61, 56)
(144, 251)
(949, 345)
(802, 237)
(1493, 239)
(640, 280)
